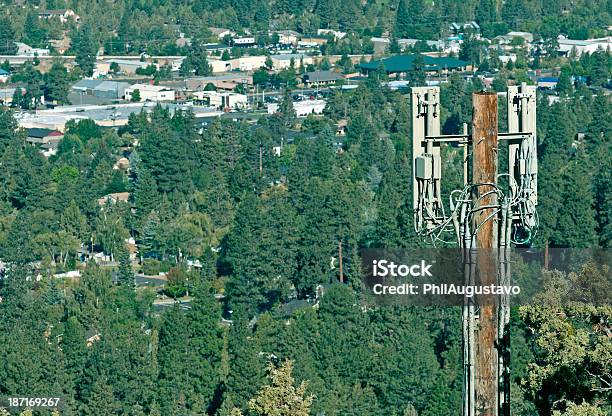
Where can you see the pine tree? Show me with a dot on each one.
(7, 37)
(85, 49)
(576, 224)
(146, 196)
(125, 274)
(246, 368)
(281, 397)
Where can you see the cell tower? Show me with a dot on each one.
(484, 220)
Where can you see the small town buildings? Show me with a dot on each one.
(321, 78)
(221, 32)
(216, 48)
(6, 96)
(223, 100)
(62, 14)
(41, 136)
(150, 92)
(336, 34)
(4, 76)
(549, 83)
(245, 41)
(312, 41)
(247, 63)
(401, 64)
(302, 108)
(27, 50)
(578, 47)
(508, 38)
(127, 66)
(462, 28)
(283, 61)
(114, 198)
(287, 37)
(227, 82)
(101, 88)
(46, 139)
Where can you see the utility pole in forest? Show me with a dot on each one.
(485, 218)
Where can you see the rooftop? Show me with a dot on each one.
(322, 76)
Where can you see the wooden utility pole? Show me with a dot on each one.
(484, 171)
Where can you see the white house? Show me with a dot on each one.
(27, 50)
(62, 14)
(287, 37)
(221, 32)
(335, 33)
(244, 41)
(222, 100)
(150, 92)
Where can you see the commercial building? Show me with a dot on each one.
(101, 88)
(222, 100)
(302, 108)
(569, 46)
(227, 82)
(103, 115)
(321, 78)
(283, 61)
(150, 92)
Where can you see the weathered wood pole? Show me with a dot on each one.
(485, 221)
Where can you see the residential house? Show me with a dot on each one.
(462, 28)
(287, 37)
(220, 32)
(62, 14)
(6, 96)
(150, 92)
(114, 198)
(4, 76)
(46, 139)
(508, 38)
(321, 78)
(336, 34)
(27, 50)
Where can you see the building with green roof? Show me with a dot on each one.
(405, 63)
